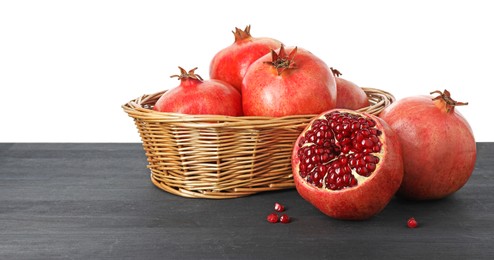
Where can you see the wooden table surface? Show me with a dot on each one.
(95, 201)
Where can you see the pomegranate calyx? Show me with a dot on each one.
(336, 72)
(187, 75)
(281, 60)
(447, 101)
(241, 35)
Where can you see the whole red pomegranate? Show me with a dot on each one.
(197, 96)
(349, 95)
(291, 82)
(231, 63)
(438, 145)
(347, 164)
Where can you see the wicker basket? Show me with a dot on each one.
(219, 157)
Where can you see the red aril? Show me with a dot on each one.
(347, 164)
(438, 145)
(272, 218)
(292, 81)
(285, 219)
(412, 223)
(349, 95)
(200, 97)
(231, 63)
(278, 207)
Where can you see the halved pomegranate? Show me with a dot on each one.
(347, 164)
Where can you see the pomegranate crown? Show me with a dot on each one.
(281, 60)
(242, 34)
(336, 72)
(187, 75)
(446, 98)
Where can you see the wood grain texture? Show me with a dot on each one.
(94, 201)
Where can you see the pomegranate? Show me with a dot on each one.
(291, 82)
(231, 63)
(347, 164)
(197, 96)
(349, 95)
(438, 145)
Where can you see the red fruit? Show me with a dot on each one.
(347, 164)
(284, 219)
(278, 207)
(197, 96)
(290, 82)
(272, 218)
(438, 145)
(412, 223)
(349, 95)
(231, 63)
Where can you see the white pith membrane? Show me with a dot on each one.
(344, 150)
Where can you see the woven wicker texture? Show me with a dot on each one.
(219, 157)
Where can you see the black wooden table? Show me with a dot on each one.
(94, 201)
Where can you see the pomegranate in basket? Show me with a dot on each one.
(292, 81)
(231, 63)
(349, 95)
(196, 96)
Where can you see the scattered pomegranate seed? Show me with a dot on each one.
(412, 223)
(285, 219)
(278, 207)
(272, 218)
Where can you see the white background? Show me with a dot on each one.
(66, 67)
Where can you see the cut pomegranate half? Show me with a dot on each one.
(347, 164)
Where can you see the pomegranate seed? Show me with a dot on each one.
(367, 143)
(412, 223)
(361, 162)
(369, 158)
(371, 167)
(355, 126)
(285, 219)
(278, 207)
(343, 160)
(363, 171)
(272, 218)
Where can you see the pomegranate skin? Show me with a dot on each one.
(231, 63)
(438, 146)
(308, 88)
(350, 95)
(368, 198)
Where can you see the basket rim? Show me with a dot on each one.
(140, 107)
